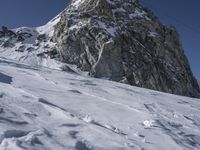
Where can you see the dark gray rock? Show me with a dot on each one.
(21, 48)
(7, 44)
(6, 32)
(121, 40)
(1, 34)
(42, 38)
(4, 29)
(20, 38)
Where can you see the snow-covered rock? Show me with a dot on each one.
(45, 109)
(111, 39)
(32, 46)
(121, 40)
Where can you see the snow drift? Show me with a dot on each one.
(41, 108)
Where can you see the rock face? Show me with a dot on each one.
(121, 40)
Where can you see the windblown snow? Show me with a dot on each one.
(43, 108)
(46, 109)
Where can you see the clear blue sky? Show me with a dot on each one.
(183, 14)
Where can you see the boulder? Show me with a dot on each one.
(42, 37)
(7, 32)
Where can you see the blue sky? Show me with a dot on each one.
(183, 14)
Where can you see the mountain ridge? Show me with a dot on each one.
(125, 42)
(48, 103)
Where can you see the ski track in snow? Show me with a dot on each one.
(46, 109)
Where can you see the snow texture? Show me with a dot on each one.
(77, 3)
(43, 108)
(153, 34)
(46, 109)
(27, 51)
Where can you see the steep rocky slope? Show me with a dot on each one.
(122, 41)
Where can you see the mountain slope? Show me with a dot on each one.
(49, 109)
(115, 40)
(44, 108)
(125, 42)
(30, 45)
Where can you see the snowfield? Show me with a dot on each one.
(46, 109)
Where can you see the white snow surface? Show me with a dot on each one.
(27, 51)
(153, 34)
(137, 13)
(110, 30)
(77, 3)
(46, 109)
(49, 27)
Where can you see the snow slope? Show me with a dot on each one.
(46, 109)
(34, 48)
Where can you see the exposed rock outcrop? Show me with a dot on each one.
(122, 41)
(6, 32)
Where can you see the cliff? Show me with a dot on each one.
(124, 42)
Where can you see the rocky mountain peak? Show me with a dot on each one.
(118, 40)
(125, 42)
(104, 8)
